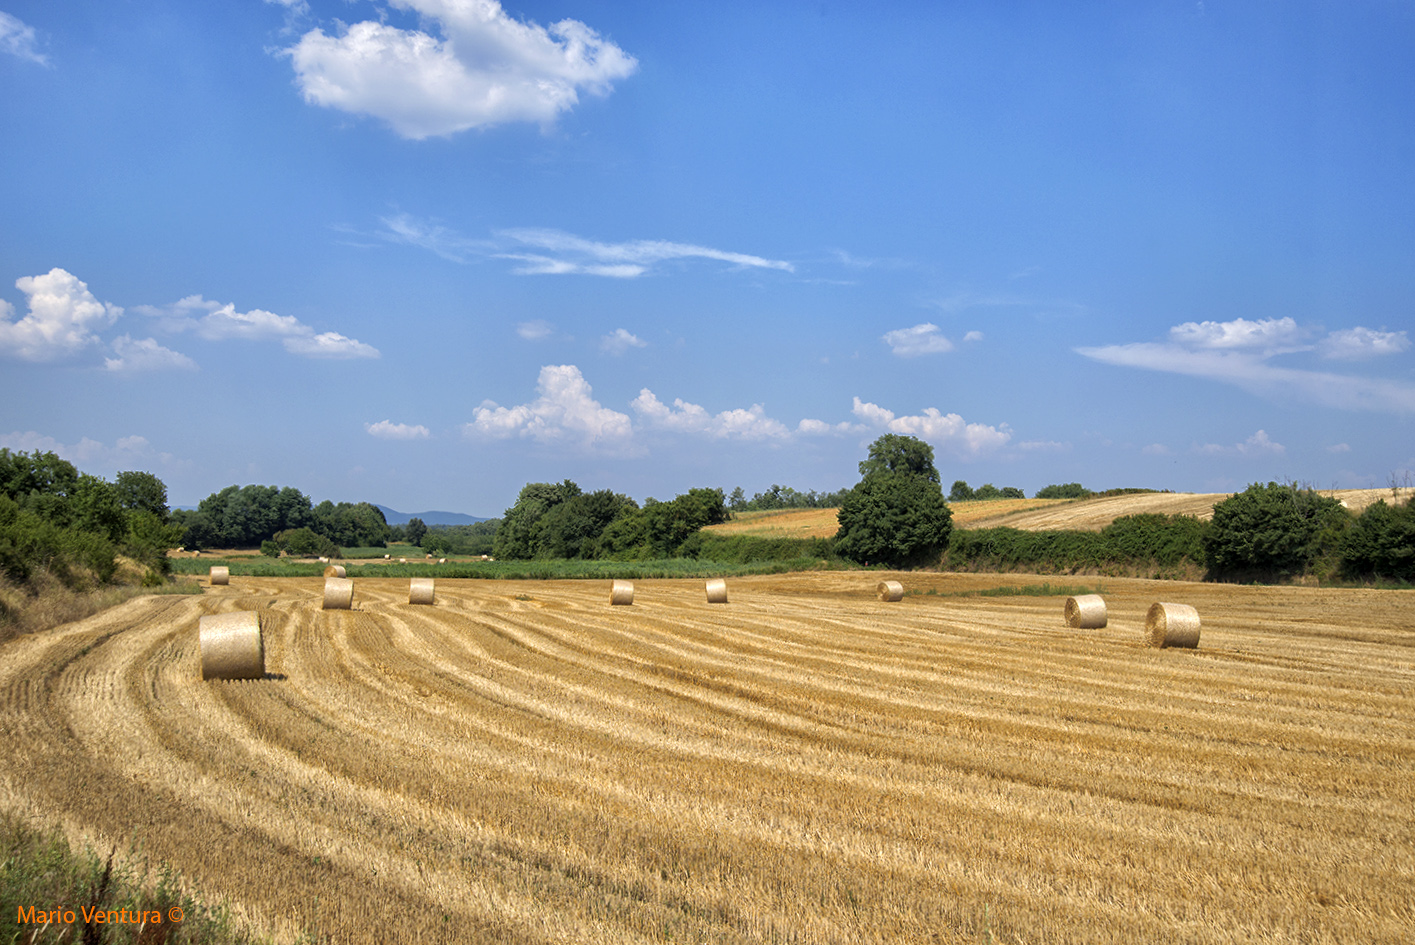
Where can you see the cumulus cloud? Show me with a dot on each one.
(62, 321)
(138, 357)
(18, 39)
(1268, 333)
(973, 336)
(216, 322)
(1259, 444)
(809, 427)
(750, 423)
(947, 431)
(388, 430)
(565, 411)
(1357, 344)
(567, 254)
(921, 339)
(1240, 352)
(619, 341)
(485, 68)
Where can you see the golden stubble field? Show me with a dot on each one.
(803, 764)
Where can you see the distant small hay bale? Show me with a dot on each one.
(1085, 612)
(402, 560)
(386, 557)
(420, 591)
(231, 646)
(334, 570)
(890, 591)
(717, 591)
(621, 593)
(441, 560)
(323, 559)
(1172, 625)
(220, 575)
(338, 593)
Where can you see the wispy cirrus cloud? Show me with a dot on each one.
(539, 251)
(18, 39)
(483, 68)
(1241, 352)
(141, 356)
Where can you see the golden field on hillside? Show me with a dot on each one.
(523, 763)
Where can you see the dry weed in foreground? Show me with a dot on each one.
(523, 762)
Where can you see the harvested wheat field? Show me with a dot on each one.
(522, 762)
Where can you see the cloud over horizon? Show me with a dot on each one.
(1239, 352)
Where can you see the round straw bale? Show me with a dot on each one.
(717, 591)
(890, 591)
(220, 574)
(334, 570)
(402, 560)
(1085, 611)
(420, 591)
(621, 593)
(441, 560)
(323, 559)
(231, 646)
(338, 593)
(1172, 625)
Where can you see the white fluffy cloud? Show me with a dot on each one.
(1357, 344)
(1268, 333)
(565, 411)
(62, 321)
(750, 423)
(216, 322)
(388, 430)
(137, 357)
(948, 431)
(921, 339)
(485, 68)
(809, 427)
(1259, 444)
(537, 330)
(18, 39)
(619, 341)
(87, 452)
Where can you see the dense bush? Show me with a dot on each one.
(1381, 543)
(748, 549)
(1272, 531)
(1132, 542)
(1071, 490)
(477, 538)
(896, 515)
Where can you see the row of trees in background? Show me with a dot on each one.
(784, 497)
(74, 525)
(560, 520)
(251, 516)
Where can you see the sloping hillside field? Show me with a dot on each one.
(524, 763)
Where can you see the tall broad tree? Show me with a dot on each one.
(896, 514)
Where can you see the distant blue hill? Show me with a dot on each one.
(394, 517)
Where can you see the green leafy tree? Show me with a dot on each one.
(1381, 542)
(1071, 490)
(572, 528)
(1269, 531)
(141, 491)
(1012, 492)
(516, 538)
(987, 491)
(414, 531)
(896, 515)
(960, 492)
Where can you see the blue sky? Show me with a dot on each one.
(422, 252)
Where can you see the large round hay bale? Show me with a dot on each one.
(335, 570)
(621, 593)
(420, 591)
(231, 646)
(717, 591)
(891, 591)
(338, 593)
(1085, 611)
(1172, 625)
(220, 575)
